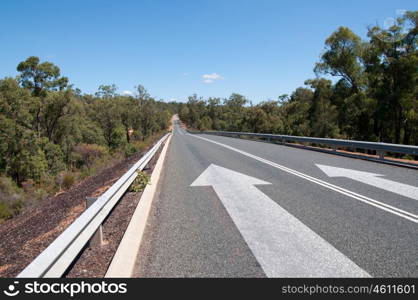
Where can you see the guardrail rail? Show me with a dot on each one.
(380, 148)
(59, 255)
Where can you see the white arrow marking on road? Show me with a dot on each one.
(372, 179)
(283, 246)
(383, 206)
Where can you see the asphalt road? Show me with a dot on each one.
(229, 207)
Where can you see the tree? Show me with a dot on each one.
(107, 91)
(142, 94)
(274, 121)
(39, 77)
(107, 115)
(296, 112)
(148, 119)
(322, 114)
(282, 99)
(20, 148)
(342, 58)
(184, 113)
(234, 107)
(197, 108)
(55, 106)
(256, 120)
(128, 114)
(391, 66)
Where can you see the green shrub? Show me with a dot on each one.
(17, 206)
(130, 150)
(92, 134)
(53, 156)
(137, 135)
(40, 194)
(140, 182)
(5, 212)
(86, 154)
(76, 160)
(12, 198)
(68, 180)
(118, 139)
(140, 146)
(9, 191)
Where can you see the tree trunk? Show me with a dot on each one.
(128, 137)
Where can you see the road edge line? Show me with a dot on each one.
(123, 262)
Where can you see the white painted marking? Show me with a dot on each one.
(386, 207)
(123, 262)
(283, 245)
(372, 179)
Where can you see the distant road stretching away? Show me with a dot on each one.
(229, 207)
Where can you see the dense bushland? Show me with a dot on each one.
(52, 135)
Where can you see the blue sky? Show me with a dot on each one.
(261, 49)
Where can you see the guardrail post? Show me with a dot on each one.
(97, 238)
(147, 167)
(334, 148)
(381, 154)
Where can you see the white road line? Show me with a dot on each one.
(386, 207)
(124, 260)
(283, 245)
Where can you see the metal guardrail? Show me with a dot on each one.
(380, 148)
(58, 256)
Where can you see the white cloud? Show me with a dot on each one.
(209, 78)
(127, 93)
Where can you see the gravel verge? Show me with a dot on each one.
(93, 262)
